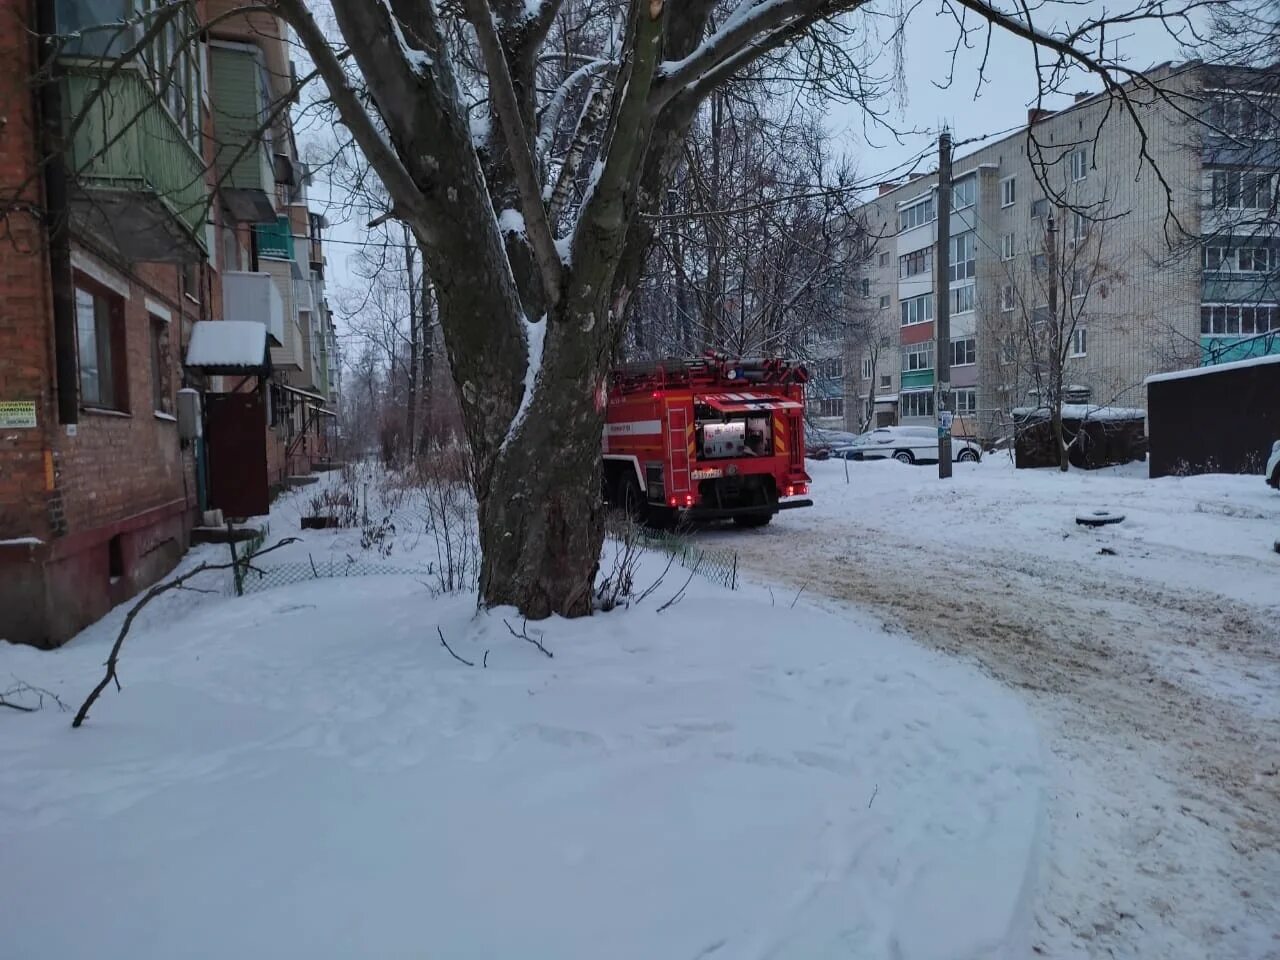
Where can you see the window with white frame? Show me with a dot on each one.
(915, 264)
(1079, 226)
(831, 407)
(917, 356)
(1079, 342)
(868, 368)
(964, 353)
(1007, 298)
(1238, 319)
(1079, 282)
(1242, 114)
(965, 401)
(916, 403)
(886, 381)
(1009, 350)
(1242, 190)
(884, 259)
(964, 193)
(1008, 248)
(1008, 191)
(1251, 259)
(884, 302)
(100, 346)
(917, 309)
(964, 256)
(916, 215)
(864, 286)
(962, 299)
(1040, 209)
(1079, 164)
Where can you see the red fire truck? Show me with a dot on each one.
(706, 439)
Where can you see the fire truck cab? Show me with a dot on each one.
(706, 439)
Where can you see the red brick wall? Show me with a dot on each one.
(25, 352)
(117, 466)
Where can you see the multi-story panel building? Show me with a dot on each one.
(136, 167)
(1083, 222)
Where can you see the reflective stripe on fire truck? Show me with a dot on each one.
(779, 434)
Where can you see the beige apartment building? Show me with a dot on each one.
(1113, 223)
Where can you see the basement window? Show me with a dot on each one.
(115, 558)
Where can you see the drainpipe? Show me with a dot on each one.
(57, 217)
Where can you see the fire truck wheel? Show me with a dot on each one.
(629, 498)
(753, 519)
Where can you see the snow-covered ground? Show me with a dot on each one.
(1148, 652)
(307, 772)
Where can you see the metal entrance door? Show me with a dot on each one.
(236, 445)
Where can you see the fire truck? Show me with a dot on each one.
(706, 439)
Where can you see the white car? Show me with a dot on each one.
(1273, 466)
(906, 444)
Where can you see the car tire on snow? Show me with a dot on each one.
(967, 456)
(904, 456)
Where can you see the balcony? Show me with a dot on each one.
(254, 296)
(275, 241)
(240, 90)
(137, 183)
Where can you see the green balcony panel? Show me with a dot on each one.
(1227, 349)
(137, 183)
(275, 240)
(917, 378)
(240, 100)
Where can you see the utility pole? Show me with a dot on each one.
(942, 308)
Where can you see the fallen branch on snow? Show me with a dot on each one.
(524, 635)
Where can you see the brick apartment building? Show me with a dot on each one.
(114, 257)
(1141, 303)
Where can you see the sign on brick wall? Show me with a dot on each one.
(17, 414)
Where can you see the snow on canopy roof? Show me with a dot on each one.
(1084, 411)
(1215, 368)
(228, 345)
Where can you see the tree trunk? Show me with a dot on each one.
(411, 415)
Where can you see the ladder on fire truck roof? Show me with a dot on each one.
(712, 369)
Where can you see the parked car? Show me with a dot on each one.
(819, 442)
(1273, 466)
(906, 444)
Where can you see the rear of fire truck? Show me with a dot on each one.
(706, 439)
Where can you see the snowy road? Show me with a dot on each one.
(1149, 652)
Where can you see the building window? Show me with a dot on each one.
(1235, 319)
(964, 193)
(962, 299)
(1251, 259)
(1008, 350)
(161, 372)
(1241, 115)
(917, 356)
(914, 264)
(964, 352)
(1008, 191)
(918, 403)
(1079, 164)
(828, 368)
(864, 285)
(1007, 249)
(1079, 226)
(1242, 190)
(1040, 209)
(886, 381)
(1007, 299)
(917, 309)
(831, 407)
(884, 303)
(884, 259)
(867, 368)
(1079, 342)
(916, 215)
(100, 348)
(964, 257)
(965, 401)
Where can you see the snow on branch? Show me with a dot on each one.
(507, 107)
(551, 114)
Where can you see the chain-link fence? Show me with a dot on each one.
(299, 571)
(718, 566)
